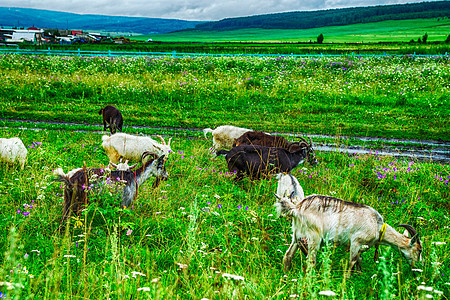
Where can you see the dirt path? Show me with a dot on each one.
(435, 151)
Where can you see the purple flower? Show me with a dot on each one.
(219, 205)
(239, 206)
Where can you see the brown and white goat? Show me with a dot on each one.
(288, 185)
(224, 136)
(112, 118)
(80, 182)
(322, 218)
(131, 147)
(257, 161)
(263, 139)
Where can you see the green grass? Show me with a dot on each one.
(182, 238)
(385, 31)
(402, 97)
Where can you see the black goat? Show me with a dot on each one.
(112, 118)
(79, 182)
(256, 161)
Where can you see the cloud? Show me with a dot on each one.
(194, 10)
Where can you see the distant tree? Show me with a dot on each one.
(448, 39)
(419, 40)
(320, 39)
(424, 38)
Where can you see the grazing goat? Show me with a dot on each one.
(322, 218)
(131, 147)
(13, 150)
(256, 161)
(263, 139)
(224, 136)
(79, 182)
(112, 119)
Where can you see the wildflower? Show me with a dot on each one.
(235, 277)
(219, 205)
(216, 196)
(239, 206)
(126, 277)
(182, 266)
(417, 270)
(294, 296)
(327, 293)
(155, 280)
(69, 255)
(129, 231)
(26, 256)
(145, 289)
(137, 273)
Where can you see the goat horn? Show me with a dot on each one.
(113, 164)
(132, 167)
(410, 229)
(162, 140)
(169, 142)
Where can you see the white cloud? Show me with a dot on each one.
(194, 10)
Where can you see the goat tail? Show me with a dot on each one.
(284, 207)
(206, 130)
(59, 172)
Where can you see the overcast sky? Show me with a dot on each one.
(193, 10)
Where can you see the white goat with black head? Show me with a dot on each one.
(319, 218)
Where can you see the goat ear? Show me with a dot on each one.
(414, 239)
(133, 166)
(405, 233)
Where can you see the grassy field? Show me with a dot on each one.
(400, 97)
(199, 235)
(385, 31)
(183, 239)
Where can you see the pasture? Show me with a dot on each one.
(384, 31)
(200, 234)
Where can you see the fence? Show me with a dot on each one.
(110, 53)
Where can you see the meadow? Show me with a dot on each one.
(399, 97)
(199, 235)
(376, 32)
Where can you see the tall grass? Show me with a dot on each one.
(200, 235)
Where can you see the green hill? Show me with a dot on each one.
(385, 31)
(332, 17)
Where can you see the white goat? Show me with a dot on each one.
(224, 136)
(131, 147)
(360, 226)
(289, 185)
(13, 150)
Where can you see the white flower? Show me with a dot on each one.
(327, 293)
(428, 296)
(438, 243)
(294, 296)
(137, 273)
(216, 196)
(126, 276)
(293, 279)
(425, 288)
(182, 266)
(417, 270)
(235, 277)
(155, 280)
(69, 255)
(145, 289)
(438, 292)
